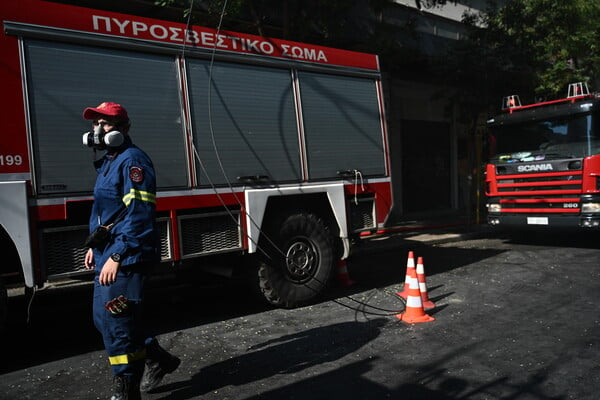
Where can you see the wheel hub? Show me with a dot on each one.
(300, 261)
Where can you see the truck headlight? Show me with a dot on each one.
(590, 208)
(494, 208)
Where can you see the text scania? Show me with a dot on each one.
(207, 39)
(533, 168)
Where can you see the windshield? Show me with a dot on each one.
(561, 137)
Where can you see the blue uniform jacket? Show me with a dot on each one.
(126, 180)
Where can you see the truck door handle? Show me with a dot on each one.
(253, 179)
(348, 173)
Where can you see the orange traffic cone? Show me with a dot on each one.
(410, 264)
(343, 277)
(423, 284)
(414, 311)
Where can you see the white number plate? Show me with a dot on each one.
(537, 220)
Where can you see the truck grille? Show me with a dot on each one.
(209, 233)
(554, 192)
(63, 251)
(362, 213)
(541, 185)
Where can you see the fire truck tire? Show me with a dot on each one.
(3, 308)
(301, 265)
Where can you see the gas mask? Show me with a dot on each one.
(100, 140)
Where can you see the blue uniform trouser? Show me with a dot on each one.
(117, 311)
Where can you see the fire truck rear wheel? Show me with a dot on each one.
(301, 265)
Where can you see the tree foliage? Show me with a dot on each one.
(301, 20)
(535, 47)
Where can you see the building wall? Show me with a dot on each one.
(423, 138)
(432, 155)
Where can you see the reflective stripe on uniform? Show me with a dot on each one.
(127, 358)
(139, 195)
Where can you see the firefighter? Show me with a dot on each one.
(124, 246)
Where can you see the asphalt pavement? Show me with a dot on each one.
(514, 319)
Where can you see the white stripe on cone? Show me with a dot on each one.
(410, 263)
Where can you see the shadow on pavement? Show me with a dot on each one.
(283, 356)
(384, 267)
(350, 380)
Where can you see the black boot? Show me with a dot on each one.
(126, 388)
(159, 362)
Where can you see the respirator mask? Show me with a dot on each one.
(100, 140)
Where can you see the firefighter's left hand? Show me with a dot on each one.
(89, 259)
(109, 271)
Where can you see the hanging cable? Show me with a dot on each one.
(187, 28)
(357, 175)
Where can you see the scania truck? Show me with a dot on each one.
(545, 171)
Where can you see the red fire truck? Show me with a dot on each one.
(546, 171)
(266, 148)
